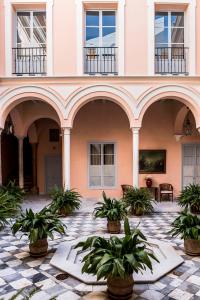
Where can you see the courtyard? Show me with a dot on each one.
(20, 272)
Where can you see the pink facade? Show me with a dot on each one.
(88, 85)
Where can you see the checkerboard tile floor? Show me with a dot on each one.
(20, 271)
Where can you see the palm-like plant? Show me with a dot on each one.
(38, 226)
(9, 208)
(12, 189)
(139, 200)
(117, 258)
(65, 202)
(190, 198)
(111, 209)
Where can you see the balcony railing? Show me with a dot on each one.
(100, 60)
(29, 61)
(171, 60)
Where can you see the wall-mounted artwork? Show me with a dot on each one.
(152, 161)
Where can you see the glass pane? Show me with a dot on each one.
(92, 37)
(39, 36)
(108, 149)
(23, 36)
(95, 160)
(95, 181)
(109, 18)
(177, 19)
(23, 19)
(95, 149)
(177, 35)
(161, 35)
(109, 181)
(109, 37)
(39, 19)
(92, 18)
(161, 19)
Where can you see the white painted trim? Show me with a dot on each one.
(66, 157)
(190, 27)
(8, 33)
(120, 30)
(135, 161)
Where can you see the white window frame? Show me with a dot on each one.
(31, 11)
(189, 27)
(120, 31)
(102, 187)
(101, 25)
(9, 37)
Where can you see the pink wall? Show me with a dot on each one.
(2, 47)
(100, 122)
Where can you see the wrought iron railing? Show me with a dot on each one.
(171, 60)
(100, 60)
(29, 61)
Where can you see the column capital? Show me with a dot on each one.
(66, 130)
(135, 129)
(1, 129)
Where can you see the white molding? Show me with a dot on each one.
(120, 28)
(8, 32)
(191, 28)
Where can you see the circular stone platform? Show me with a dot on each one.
(69, 260)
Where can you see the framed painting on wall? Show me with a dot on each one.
(152, 161)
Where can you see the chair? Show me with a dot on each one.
(125, 188)
(166, 189)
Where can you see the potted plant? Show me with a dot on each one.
(12, 189)
(139, 200)
(9, 207)
(187, 226)
(116, 259)
(113, 210)
(38, 227)
(190, 198)
(65, 202)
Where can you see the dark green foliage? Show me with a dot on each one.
(9, 208)
(111, 209)
(68, 200)
(38, 225)
(139, 199)
(117, 257)
(12, 189)
(190, 197)
(187, 226)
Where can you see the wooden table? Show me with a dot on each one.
(153, 191)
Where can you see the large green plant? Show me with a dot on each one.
(12, 189)
(187, 226)
(139, 199)
(111, 209)
(117, 257)
(9, 208)
(190, 197)
(67, 201)
(39, 225)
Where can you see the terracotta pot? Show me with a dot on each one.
(120, 289)
(149, 182)
(192, 247)
(195, 210)
(39, 248)
(114, 226)
(137, 212)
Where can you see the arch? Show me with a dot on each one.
(175, 92)
(13, 97)
(116, 95)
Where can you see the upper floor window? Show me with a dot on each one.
(170, 51)
(29, 54)
(100, 42)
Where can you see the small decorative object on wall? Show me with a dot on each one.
(149, 181)
(152, 161)
(54, 135)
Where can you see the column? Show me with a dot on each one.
(34, 146)
(135, 131)
(66, 158)
(21, 161)
(1, 181)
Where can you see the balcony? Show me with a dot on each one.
(171, 60)
(100, 60)
(29, 61)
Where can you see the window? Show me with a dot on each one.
(169, 29)
(102, 165)
(31, 29)
(100, 29)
